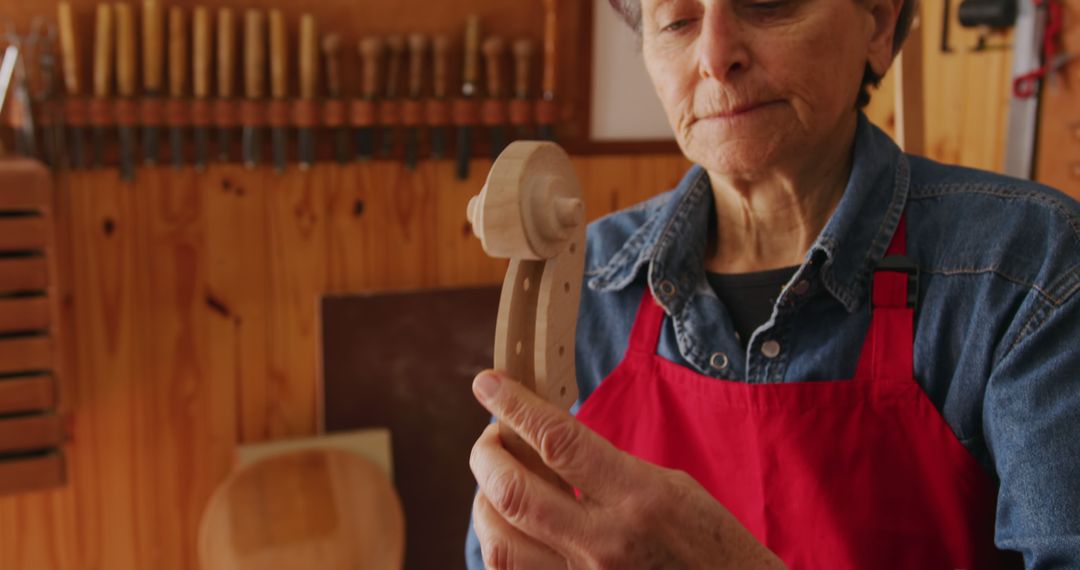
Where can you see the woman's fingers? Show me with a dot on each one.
(573, 451)
(524, 499)
(504, 546)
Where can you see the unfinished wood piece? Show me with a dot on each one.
(316, 508)
(26, 394)
(371, 444)
(23, 434)
(532, 212)
(31, 473)
(25, 314)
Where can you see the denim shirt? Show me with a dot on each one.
(997, 329)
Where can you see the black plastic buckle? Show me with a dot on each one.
(903, 264)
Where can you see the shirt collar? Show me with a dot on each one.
(672, 240)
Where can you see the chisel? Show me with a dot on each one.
(103, 78)
(68, 43)
(331, 48)
(395, 47)
(254, 74)
(371, 50)
(125, 87)
(309, 80)
(439, 53)
(494, 52)
(178, 75)
(468, 91)
(279, 81)
(226, 73)
(417, 47)
(153, 54)
(519, 110)
(200, 68)
(546, 108)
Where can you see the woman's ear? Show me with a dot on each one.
(883, 14)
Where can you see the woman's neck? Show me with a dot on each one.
(772, 221)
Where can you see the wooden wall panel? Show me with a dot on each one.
(193, 312)
(1059, 133)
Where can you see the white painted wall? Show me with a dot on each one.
(624, 103)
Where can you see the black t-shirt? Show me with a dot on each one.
(750, 297)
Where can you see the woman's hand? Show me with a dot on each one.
(631, 514)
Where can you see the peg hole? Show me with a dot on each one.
(562, 350)
(566, 287)
(562, 391)
(518, 347)
(573, 247)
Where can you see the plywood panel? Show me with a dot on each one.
(26, 394)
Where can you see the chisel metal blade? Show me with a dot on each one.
(251, 141)
(224, 137)
(280, 143)
(412, 145)
(306, 140)
(464, 151)
(150, 145)
(438, 142)
(100, 140)
(201, 144)
(176, 146)
(365, 145)
(127, 153)
(78, 148)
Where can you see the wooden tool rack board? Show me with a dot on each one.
(355, 20)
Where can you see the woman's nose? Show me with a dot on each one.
(722, 49)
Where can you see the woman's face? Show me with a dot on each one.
(751, 85)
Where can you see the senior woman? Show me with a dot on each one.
(816, 351)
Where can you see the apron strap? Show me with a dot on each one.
(645, 336)
(888, 352)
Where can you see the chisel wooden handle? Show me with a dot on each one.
(153, 46)
(493, 48)
(66, 23)
(471, 71)
(417, 47)
(177, 52)
(103, 50)
(226, 52)
(125, 50)
(200, 52)
(371, 50)
(551, 38)
(523, 54)
(279, 56)
(254, 55)
(331, 48)
(395, 46)
(439, 57)
(309, 57)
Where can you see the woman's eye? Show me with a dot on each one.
(676, 25)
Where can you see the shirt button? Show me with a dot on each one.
(667, 288)
(801, 287)
(770, 348)
(719, 361)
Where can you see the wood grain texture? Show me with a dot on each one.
(26, 394)
(1058, 157)
(23, 434)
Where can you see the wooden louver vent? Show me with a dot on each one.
(31, 431)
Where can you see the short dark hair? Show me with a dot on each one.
(630, 11)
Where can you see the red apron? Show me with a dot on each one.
(861, 473)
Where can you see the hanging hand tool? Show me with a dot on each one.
(200, 70)
(76, 110)
(468, 91)
(546, 110)
(371, 51)
(494, 52)
(331, 48)
(279, 82)
(439, 53)
(178, 75)
(520, 106)
(47, 97)
(417, 47)
(125, 87)
(254, 81)
(309, 80)
(226, 73)
(395, 47)
(103, 78)
(153, 54)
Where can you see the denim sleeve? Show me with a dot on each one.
(473, 558)
(1031, 418)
